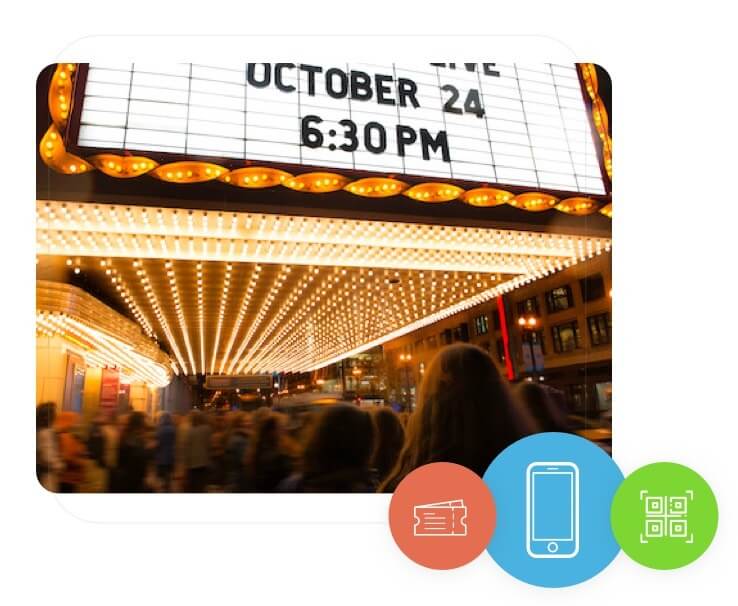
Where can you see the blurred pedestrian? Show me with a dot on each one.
(237, 442)
(182, 424)
(305, 422)
(166, 435)
(540, 404)
(133, 455)
(111, 434)
(337, 454)
(465, 414)
(270, 455)
(388, 441)
(197, 452)
(217, 450)
(49, 463)
(97, 472)
(96, 440)
(72, 450)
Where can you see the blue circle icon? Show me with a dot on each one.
(553, 493)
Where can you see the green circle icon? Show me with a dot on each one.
(664, 515)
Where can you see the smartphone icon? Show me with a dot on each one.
(552, 509)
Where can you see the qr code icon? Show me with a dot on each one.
(666, 516)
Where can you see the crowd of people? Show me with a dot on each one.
(466, 413)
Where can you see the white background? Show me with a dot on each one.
(674, 350)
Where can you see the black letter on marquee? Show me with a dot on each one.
(383, 89)
(267, 75)
(407, 88)
(405, 136)
(361, 86)
(287, 88)
(339, 93)
(429, 142)
(488, 71)
(311, 71)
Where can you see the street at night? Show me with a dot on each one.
(309, 278)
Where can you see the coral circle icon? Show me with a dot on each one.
(442, 515)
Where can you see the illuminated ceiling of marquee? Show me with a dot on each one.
(246, 292)
(98, 334)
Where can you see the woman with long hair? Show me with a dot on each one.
(465, 414)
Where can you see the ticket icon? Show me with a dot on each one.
(445, 519)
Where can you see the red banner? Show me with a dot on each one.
(109, 389)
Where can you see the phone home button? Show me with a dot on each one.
(552, 547)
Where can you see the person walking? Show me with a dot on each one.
(72, 450)
(236, 446)
(133, 455)
(337, 454)
(197, 453)
(540, 404)
(270, 455)
(166, 436)
(49, 463)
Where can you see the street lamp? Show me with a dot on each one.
(528, 325)
(405, 360)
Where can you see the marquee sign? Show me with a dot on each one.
(486, 122)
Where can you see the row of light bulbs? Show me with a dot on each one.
(83, 217)
(94, 244)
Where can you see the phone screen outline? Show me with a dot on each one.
(551, 547)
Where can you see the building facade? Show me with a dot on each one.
(556, 330)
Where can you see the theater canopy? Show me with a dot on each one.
(278, 217)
